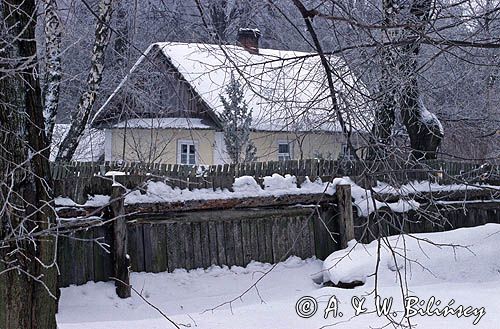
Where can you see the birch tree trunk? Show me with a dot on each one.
(53, 65)
(27, 270)
(80, 118)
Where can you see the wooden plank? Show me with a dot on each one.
(229, 242)
(280, 240)
(345, 219)
(174, 246)
(159, 239)
(103, 262)
(197, 245)
(261, 236)
(212, 232)
(254, 241)
(268, 237)
(187, 239)
(120, 240)
(65, 263)
(238, 243)
(221, 244)
(136, 247)
(205, 245)
(246, 241)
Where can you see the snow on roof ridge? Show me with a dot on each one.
(163, 122)
(207, 71)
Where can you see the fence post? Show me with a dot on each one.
(120, 241)
(346, 221)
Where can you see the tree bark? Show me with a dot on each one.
(80, 118)
(424, 128)
(53, 68)
(386, 108)
(27, 270)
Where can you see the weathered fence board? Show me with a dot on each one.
(78, 179)
(235, 237)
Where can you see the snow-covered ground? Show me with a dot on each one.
(468, 276)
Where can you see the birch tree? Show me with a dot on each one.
(53, 67)
(81, 116)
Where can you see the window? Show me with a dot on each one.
(346, 152)
(284, 151)
(186, 152)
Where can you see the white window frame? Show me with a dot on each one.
(188, 142)
(290, 150)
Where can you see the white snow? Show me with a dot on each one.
(426, 186)
(453, 274)
(429, 118)
(286, 90)
(461, 255)
(97, 200)
(162, 123)
(277, 182)
(246, 186)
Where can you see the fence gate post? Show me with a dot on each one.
(346, 222)
(120, 257)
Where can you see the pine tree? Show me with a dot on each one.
(237, 119)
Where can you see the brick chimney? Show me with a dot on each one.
(249, 39)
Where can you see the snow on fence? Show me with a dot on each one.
(199, 239)
(79, 179)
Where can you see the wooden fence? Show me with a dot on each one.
(235, 237)
(197, 240)
(79, 179)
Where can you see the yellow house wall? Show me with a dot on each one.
(160, 145)
(304, 145)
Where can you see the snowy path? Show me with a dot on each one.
(184, 295)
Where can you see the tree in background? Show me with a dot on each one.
(237, 118)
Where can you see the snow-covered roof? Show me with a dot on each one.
(286, 90)
(151, 123)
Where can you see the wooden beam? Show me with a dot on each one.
(346, 222)
(120, 242)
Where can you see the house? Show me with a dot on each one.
(167, 109)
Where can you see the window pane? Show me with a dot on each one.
(184, 158)
(191, 149)
(184, 148)
(192, 159)
(283, 148)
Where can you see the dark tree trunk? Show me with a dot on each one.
(424, 129)
(28, 283)
(386, 108)
(399, 85)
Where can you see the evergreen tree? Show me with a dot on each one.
(237, 118)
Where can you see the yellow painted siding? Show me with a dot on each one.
(160, 145)
(303, 145)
